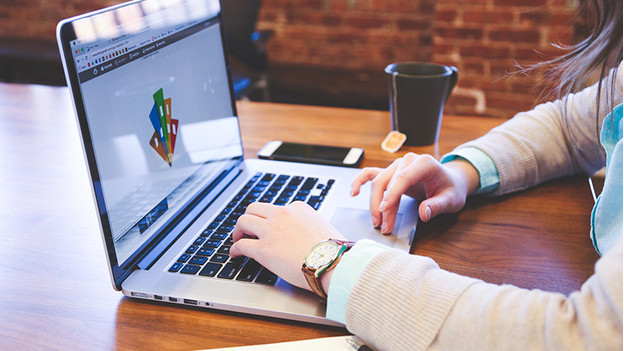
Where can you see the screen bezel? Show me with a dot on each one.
(65, 35)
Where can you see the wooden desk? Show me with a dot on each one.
(55, 290)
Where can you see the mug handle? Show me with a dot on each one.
(453, 81)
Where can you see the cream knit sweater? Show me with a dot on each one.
(425, 307)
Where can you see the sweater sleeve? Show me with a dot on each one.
(426, 307)
(554, 139)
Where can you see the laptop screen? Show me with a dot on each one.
(158, 106)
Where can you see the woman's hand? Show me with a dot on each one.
(279, 237)
(442, 187)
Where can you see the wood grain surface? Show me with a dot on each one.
(55, 290)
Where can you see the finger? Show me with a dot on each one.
(261, 209)
(248, 224)
(245, 247)
(378, 187)
(409, 174)
(445, 202)
(389, 210)
(366, 175)
(414, 172)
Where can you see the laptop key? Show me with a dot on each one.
(176, 267)
(219, 258)
(266, 277)
(287, 193)
(299, 198)
(210, 269)
(224, 250)
(271, 193)
(239, 259)
(317, 198)
(198, 260)
(225, 228)
(295, 180)
(249, 271)
(309, 183)
(283, 199)
(191, 249)
(219, 236)
(314, 204)
(268, 177)
(190, 269)
(231, 220)
(266, 199)
(204, 251)
(230, 270)
(212, 244)
(184, 258)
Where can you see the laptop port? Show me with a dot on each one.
(139, 294)
(158, 297)
(173, 299)
(190, 302)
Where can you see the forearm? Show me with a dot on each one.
(552, 140)
(407, 302)
(468, 173)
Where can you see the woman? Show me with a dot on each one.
(398, 301)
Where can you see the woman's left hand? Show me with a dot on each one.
(279, 237)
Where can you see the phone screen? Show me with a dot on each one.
(305, 151)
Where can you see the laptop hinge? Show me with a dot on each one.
(198, 207)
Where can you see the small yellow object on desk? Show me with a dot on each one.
(393, 141)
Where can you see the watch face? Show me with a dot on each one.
(322, 254)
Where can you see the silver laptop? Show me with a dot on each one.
(155, 107)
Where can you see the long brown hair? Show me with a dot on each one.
(593, 57)
(587, 62)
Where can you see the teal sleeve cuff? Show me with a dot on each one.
(489, 180)
(346, 274)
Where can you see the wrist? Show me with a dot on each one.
(326, 280)
(320, 261)
(467, 173)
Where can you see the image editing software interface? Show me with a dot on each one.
(158, 106)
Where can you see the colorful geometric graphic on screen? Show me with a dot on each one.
(165, 128)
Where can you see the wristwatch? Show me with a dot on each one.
(321, 258)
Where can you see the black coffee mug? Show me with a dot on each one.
(418, 92)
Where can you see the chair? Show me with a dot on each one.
(246, 47)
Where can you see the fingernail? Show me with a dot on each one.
(375, 222)
(384, 228)
(352, 193)
(427, 213)
(382, 207)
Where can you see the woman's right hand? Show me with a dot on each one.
(442, 188)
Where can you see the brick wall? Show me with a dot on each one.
(483, 38)
(358, 38)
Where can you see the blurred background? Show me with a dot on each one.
(333, 52)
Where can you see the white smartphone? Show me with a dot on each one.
(308, 153)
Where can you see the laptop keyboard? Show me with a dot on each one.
(209, 254)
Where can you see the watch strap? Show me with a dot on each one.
(313, 276)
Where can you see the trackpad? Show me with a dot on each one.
(356, 224)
